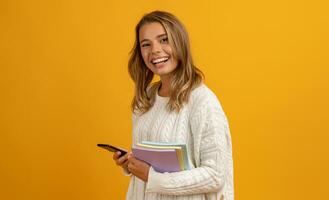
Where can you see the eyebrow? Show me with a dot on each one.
(159, 36)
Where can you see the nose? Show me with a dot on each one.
(156, 47)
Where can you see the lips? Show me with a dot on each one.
(159, 60)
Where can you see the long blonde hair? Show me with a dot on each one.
(185, 77)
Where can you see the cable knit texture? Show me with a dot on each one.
(203, 126)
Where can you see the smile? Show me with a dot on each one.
(159, 60)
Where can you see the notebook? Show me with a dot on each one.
(162, 160)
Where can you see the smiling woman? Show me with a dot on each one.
(179, 108)
(156, 50)
(160, 36)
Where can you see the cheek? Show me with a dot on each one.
(144, 56)
(170, 52)
(174, 63)
(168, 49)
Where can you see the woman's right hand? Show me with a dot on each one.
(121, 161)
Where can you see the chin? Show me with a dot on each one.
(162, 72)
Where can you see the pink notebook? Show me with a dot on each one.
(163, 160)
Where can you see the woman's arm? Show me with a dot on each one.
(212, 148)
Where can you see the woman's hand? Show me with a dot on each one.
(138, 168)
(121, 161)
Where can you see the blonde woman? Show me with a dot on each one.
(178, 108)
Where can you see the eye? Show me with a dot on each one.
(164, 40)
(145, 45)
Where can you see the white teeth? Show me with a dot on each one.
(159, 60)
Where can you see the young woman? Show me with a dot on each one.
(178, 108)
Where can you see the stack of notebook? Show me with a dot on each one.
(163, 157)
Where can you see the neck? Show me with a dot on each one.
(165, 87)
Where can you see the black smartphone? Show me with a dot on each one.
(112, 148)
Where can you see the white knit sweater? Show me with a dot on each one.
(203, 126)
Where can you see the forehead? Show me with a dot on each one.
(151, 31)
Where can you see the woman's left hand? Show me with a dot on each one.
(138, 168)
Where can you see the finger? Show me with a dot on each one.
(131, 158)
(125, 164)
(136, 162)
(121, 160)
(116, 155)
(130, 154)
(131, 167)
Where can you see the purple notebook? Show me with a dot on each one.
(164, 160)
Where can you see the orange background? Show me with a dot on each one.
(65, 87)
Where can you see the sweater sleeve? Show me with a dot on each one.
(210, 131)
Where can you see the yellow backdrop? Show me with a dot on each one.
(65, 88)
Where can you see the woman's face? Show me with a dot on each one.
(156, 51)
